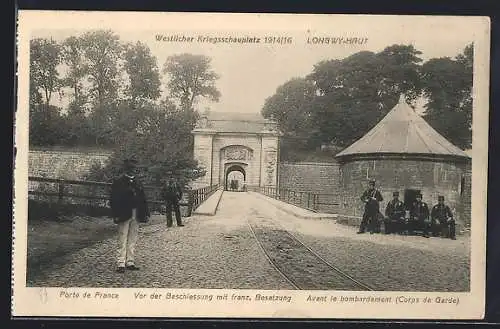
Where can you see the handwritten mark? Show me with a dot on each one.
(43, 295)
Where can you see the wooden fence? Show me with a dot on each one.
(92, 194)
(311, 201)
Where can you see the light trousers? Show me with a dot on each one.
(128, 232)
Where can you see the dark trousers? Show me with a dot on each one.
(419, 225)
(370, 222)
(393, 225)
(448, 228)
(451, 226)
(172, 205)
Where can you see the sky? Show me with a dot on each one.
(250, 73)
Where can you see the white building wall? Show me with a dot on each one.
(202, 153)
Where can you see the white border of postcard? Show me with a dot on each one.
(47, 302)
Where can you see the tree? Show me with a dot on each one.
(292, 107)
(47, 126)
(159, 144)
(72, 54)
(143, 74)
(356, 92)
(102, 50)
(45, 56)
(448, 87)
(189, 78)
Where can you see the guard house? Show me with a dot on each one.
(404, 153)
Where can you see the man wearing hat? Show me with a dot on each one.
(371, 198)
(420, 215)
(172, 194)
(394, 212)
(441, 215)
(129, 207)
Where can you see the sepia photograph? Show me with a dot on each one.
(250, 165)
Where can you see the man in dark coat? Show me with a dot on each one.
(172, 194)
(129, 207)
(371, 197)
(394, 212)
(442, 216)
(420, 215)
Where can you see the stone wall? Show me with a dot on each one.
(432, 178)
(321, 178)
(64, 164)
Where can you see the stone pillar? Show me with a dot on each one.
(269, 160)
(203, 154)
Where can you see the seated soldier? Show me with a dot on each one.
(442, 219)
(394, 212)
(420, 216)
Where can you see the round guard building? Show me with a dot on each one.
(404, 153)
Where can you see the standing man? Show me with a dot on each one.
(420, 214)
(129, 207)
(442, 214)
(172, 194)
(394, 212)
(371, 197)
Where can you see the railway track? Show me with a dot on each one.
(298, 264)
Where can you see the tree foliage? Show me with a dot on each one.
(448, 86)
(189, 78)
(292, 107)
(45, 56)
(142, 69)
(342, 99)
(73, 58)
(114, 100)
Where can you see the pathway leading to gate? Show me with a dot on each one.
(221, 252)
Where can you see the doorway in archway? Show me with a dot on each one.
(235, 178)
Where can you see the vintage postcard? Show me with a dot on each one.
(250, 165)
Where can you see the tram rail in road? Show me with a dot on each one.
(298, 264)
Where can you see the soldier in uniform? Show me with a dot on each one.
(371, 197)
(129, 207)
(441, 215)
(394, 212)
(420, 215)
(172, 194)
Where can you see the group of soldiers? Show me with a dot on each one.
(406, 219)
(129, 207)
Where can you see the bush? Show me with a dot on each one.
(40, 210)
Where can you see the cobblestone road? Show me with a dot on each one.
(221, 252)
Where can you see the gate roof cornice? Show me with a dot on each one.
(204, 132)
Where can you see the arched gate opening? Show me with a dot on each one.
(235, 178)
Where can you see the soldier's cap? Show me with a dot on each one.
(371, 181)
(440, 197)
(395, 193)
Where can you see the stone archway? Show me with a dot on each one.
(248, 140)
(231, 168)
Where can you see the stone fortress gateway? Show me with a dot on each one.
(225, 143)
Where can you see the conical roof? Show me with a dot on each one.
(402, 131)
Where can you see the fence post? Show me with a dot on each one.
(60, 192)
(190, 203)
